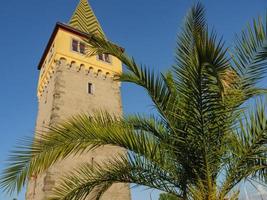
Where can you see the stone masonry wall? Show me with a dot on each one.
(66, 95)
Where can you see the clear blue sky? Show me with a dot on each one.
(146, 28)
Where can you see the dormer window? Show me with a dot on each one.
(104, 57)
(78, 46)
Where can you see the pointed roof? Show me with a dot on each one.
(84, 19)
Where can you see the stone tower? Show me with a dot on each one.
(71, 83)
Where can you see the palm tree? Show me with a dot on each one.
(204, 141)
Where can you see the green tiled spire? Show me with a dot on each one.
(84, 19)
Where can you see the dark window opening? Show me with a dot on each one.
(107, 59)
(82, 48)
(78, 46)
(90, 88)
(104, 57)
(75, 45)
(100, 57)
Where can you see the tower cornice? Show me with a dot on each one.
(67, 28)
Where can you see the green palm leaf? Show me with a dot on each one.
(131, 169)
(249, 56)
(248, 155)
(78, 135)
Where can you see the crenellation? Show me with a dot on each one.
(72, 65)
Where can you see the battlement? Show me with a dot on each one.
(79, 66)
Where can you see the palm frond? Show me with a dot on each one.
(152, 125)
(131, 169)
(248, 150)
(195, 141)
(200, 62)
(73, 137)
(15, 176)
(157, 87)
(250, 55)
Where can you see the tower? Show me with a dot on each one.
(71, 83)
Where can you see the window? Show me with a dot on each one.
(104, 57)
(75, 45)
(101, 57)
(90, 88)
(107, 59)
(82, 48)
(78, 46)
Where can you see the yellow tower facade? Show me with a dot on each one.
(71, 83)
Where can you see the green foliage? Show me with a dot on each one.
(166, 196)
(203, 142)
